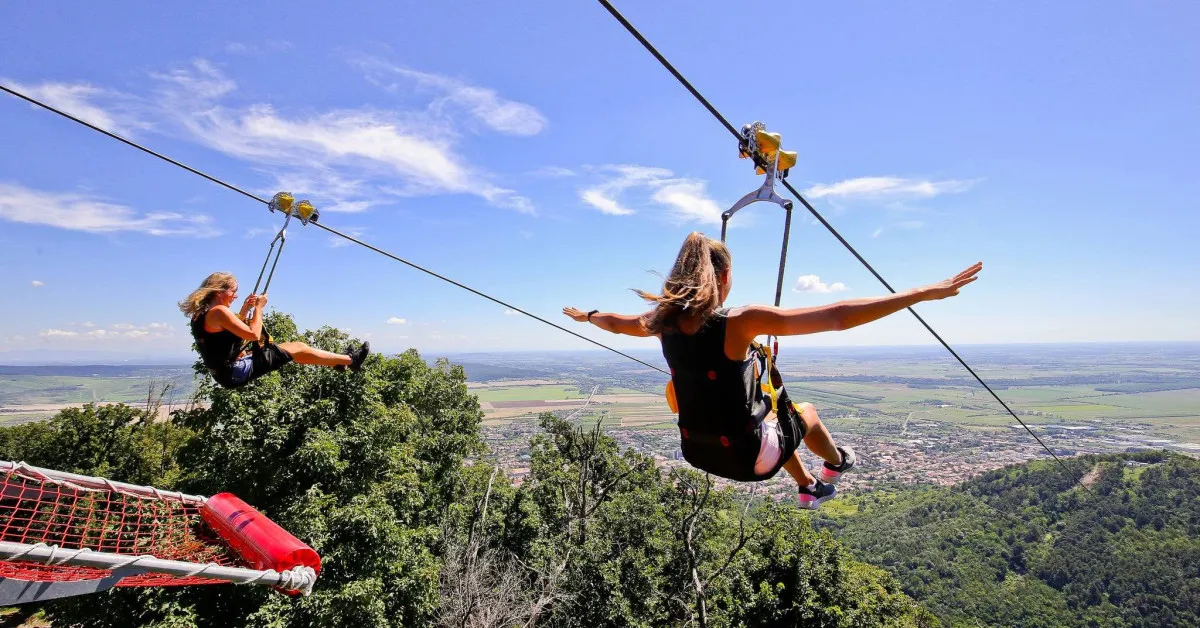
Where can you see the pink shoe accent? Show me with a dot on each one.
(828, 476)
(808, 502)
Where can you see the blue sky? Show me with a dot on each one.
(534, 151)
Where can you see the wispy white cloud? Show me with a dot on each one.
(689, 200)
(270, 45)
(686, 199)
(117, 332)
(877, 188)
(453, 96)
(104, 108)
(255, 232)
(37, 284)
(337, 242)
(598, 198)
(414, 151)
(813, 283)
(511, 313)
(553, 172)
(80, 212)
(906, 224)
(344, 159)
(396, 321)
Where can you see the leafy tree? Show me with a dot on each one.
(385, 474)
(644, 548)
(360, 466)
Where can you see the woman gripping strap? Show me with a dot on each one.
(220, 336)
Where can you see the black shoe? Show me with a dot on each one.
(832, 473)
(811, 499)
(358, 356)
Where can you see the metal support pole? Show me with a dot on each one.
(93, 483)
(15, 591)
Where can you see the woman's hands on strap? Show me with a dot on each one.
(224, 318)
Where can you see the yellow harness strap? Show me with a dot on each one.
(765, 383)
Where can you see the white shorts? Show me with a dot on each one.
(769, 450)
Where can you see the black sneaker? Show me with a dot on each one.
(832, 473)
(358, 356)
(811, 499)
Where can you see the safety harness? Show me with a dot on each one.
(721, 419)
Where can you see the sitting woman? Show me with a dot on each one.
(726, 424)
(220, 336)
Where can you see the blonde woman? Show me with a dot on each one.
(726, 425)
(220, 336)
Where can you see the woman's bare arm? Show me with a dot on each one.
(759, 320)
(628, 324)
(225, 319)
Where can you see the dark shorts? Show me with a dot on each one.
(263, 359)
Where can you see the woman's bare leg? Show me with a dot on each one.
(795, 468)
(816, 436)
(304, 354)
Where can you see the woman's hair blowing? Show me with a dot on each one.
(693, 287)
(199, 299)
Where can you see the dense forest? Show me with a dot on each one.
(1027, 546)
(386, 475)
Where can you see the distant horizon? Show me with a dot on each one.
(61, 357)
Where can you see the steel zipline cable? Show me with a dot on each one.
(335, 232)
(732, 130)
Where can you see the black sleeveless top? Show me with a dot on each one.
(721, 404)
(217, 350)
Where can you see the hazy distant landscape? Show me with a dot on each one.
(913, 413)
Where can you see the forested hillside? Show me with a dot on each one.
(1025, 546)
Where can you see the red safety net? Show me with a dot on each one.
(34, 509)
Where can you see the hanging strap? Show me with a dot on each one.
(303, 211)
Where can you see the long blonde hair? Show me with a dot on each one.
(693, 287)
(198, 300)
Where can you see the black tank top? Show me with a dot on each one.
(721, 405)
(217, 350)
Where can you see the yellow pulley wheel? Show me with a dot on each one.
(282, 201)
(305, 211)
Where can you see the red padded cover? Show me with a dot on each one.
(259, 541)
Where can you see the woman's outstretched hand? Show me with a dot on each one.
(950, 287)
(575, 314)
